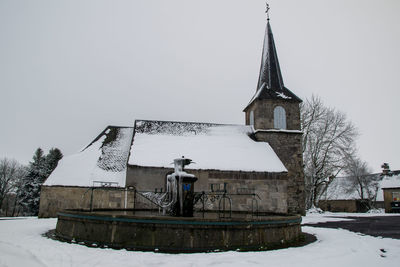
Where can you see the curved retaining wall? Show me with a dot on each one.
(177, 234)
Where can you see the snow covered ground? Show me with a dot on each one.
(22, 244)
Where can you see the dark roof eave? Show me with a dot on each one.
(293, 98)
(160, 167)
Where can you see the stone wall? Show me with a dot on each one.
(287, 145)
(264, 114)
(270, 187)
(346, 205)
(288, 148)
(338, 205)
(54, 199)
(171, 234)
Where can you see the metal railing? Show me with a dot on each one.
(218, 198)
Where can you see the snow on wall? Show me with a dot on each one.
(211, 146)
(104, 160)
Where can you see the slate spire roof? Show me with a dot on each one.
(270, 72)
(270, 82)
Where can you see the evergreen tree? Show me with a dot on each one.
(39, 169)
(31, 184)
(52, 160)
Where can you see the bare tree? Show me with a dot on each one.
(328, 137)
(360, 179)
(11, 175)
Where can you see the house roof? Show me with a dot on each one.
(270, 82)
(392, 181)
(340, 188)
(104, 160)
(210, 146)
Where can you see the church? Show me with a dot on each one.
(261, 158)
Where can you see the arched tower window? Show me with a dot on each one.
(279, 118)
(251, 118)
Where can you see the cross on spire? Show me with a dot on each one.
(267, 10)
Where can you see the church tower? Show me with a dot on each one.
(274, 113)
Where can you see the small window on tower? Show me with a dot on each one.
(251, 118)
(279, 118)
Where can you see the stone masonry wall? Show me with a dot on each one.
(270, 187)
(54, 199)
(288, 148)
(338, 205)
(264, 114)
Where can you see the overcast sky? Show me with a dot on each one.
(70, 68)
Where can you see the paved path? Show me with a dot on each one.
(385, 226)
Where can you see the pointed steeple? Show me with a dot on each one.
(270, 82)
(270, 72)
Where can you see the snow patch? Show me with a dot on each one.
(282, 95)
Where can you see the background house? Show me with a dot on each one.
(391, 191)
(342, 196)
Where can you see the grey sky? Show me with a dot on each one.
(70, 68)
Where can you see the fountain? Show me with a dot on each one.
(176, 227)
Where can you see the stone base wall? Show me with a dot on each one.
(271, 191)
(338, 205)
(54, 199)
(172, 234)
(271, 188)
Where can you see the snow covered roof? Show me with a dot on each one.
(211, 146)
(157, 144)
(391, 182)
(102, 161)
(339, 188)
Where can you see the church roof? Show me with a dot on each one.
(103, 161)
(270, 82)
(156, 144)
(211, 146)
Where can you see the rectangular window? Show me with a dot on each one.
(396, 196)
